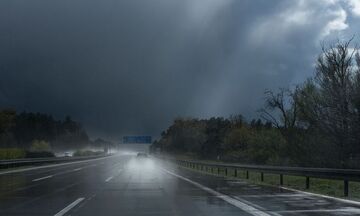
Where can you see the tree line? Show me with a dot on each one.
(26, 128)
(315, 123)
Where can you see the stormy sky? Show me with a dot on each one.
(132, 66)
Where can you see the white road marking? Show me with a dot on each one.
(39, 179)
(77, 169)
(286, 195)
(243, 206)
(346, 209)
(67, 208)
(108, 179)
(324, 196)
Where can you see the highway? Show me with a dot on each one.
(124, 185)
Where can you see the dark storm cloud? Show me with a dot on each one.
(131, 66)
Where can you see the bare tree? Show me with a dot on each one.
(280, 109)
(336, 78)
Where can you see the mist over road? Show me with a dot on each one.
(125, 185)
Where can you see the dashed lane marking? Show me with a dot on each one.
(108, 179)
(42, 178)
(69, 207)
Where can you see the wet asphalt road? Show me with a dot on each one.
(124, 185)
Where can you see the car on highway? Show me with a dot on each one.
(141, 155)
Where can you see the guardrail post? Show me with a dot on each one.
(307, 182)
(216, 168)
(346, 188)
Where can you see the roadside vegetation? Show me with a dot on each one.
(87, 153)
(320, 186)
(20, 130)
(12, 153)
(35, 135)
(313, 124)
(38, 149)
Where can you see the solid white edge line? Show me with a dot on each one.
(245, 207)
(67, 208)
(346, 209)
(108, 179)
(324, 196)
(42, 178)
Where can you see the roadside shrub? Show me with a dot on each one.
(40, 146)
(39, 149)
(12, 153)
(265, 147)
(253, 146)
(87, 153)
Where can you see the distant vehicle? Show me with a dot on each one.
(67, 154)
(141, 155)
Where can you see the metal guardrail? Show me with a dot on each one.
(37, 161)
(345, 175)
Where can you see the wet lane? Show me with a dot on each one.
(47, 196)
(273, 200)
(140, 190)
(124, 185)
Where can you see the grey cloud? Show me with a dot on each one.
(131, 66)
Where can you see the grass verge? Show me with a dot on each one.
(327, 187)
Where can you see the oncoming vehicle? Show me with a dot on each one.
(142, 155)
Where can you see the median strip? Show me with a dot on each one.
(69, 207)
